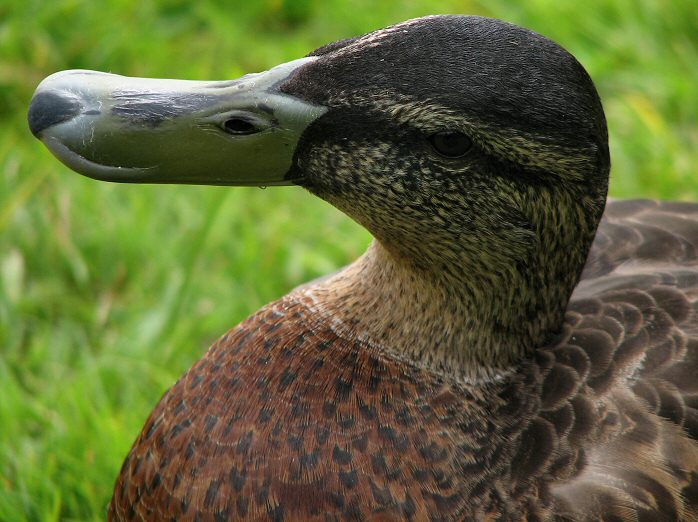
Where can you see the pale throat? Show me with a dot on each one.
(408, 313)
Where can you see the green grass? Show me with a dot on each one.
(108, 293)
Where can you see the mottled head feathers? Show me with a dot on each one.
(506, 226)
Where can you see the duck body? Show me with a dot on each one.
(493, 356)
(289, 417)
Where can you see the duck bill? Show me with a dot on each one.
(138, 130)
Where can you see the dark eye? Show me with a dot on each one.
(451, 144)
(239, 126)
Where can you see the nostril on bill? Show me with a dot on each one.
(50, 108)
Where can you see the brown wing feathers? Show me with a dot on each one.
(639, 287)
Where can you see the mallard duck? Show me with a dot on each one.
(492, 356)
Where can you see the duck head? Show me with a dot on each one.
(475, 151)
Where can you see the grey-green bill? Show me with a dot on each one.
(138, 130)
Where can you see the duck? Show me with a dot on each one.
(510, 347)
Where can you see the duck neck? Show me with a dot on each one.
(454, 327)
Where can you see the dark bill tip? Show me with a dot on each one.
(49, 108)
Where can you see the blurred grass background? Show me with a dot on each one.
(108, 293)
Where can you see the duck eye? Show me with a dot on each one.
(238, 126)
(451, 144)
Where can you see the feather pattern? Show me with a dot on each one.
(284, 419)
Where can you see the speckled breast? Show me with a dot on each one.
(284, 420)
